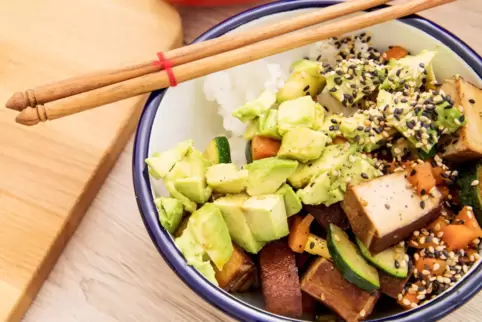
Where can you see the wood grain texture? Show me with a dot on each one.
(50, 174)
(110, 271)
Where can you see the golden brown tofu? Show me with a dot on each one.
(236, 272)
(325, 283)
(386, 210)
(468, 144)
(279, 280)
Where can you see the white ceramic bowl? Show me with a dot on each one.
(183, 112)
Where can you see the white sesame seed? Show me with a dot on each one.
(406, 302)
(425, 272)
(436, 266)
(322, 296)
(362, 313)
(474, 183)
(413, 305)
(399, 296)
(420, 297)
(440, 279)
(416, 256)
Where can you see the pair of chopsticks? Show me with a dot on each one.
(83, 93)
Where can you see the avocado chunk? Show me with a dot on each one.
(305, 80)
(266, 217)
(255, 108)
(332, 158)
(231, 208)
(265, 176)
(268, 124)
(292, 201)
(302, 144)
(409, 70)
(353, 79)
(187, 180)
(300, 112)
(210, 230)
(161, 163)
(170, 213)
(195, 255)
(226, 178)
(316, 192)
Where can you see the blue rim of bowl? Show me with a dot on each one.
(226, 302)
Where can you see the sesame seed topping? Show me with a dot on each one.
(474, 183)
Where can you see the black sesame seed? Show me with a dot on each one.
(471, 101)
(403, 100)
(364, 175)
(339, 72)
(422, 204)
(413, 172)
(307, 87)
(357, 138)
(360, 128)
(423, 192)
(338, 81)
(333, 89)
(462, 118)
(331, 128)
(397, 116)
(312, 245)
(422, 65)
(318, 58)
(334, 121)
(387, 206)
(397, 264)
(368, 129)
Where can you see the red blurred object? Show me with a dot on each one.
(206, 3)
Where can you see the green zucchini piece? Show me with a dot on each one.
(249, 152)
(218, 150)
(471, 195)
(350, 262)
(385, 260)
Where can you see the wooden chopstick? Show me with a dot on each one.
(148, 83)
(179, 56)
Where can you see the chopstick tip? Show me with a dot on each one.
(17, 102)
(28, 116)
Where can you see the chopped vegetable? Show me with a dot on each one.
(236, 271)
(317, 246)
(392, 260)
(299, 232)
(421, 178)
(262, 147)
(218, 150)
(395, 52)
(466, 217)
(437, 225)
(459, 236)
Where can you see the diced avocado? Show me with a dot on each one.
(316, 192)
(388, 260)
(209, 229)
(359, 168)
(349, 82)
(319, 117)
(188, 204)
(255, 108)
(332, 158)
(470, 194)
(449, 117)
(302, 144)
(170, 213)
(266, 217)
(195, 255)
(267, 175)
(331, 125)
(292, 202)
(251, 130)
(218, 150)
(161, 163)
(194, 188)
(300, 112)
(231, 208)
(401, 148)
(268, 124)
(431, 81)
(305, 80)
(348, 260)
(226, 178)
(408, 71)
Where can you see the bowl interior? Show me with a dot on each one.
(185, 113)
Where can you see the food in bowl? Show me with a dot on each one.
(353, 176)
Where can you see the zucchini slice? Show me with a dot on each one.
(385, 260)
(249, 152)
(218, 150)
(350, 262)
(470, 193)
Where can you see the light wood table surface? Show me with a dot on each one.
(110, 270)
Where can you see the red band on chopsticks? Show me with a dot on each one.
(166, 64)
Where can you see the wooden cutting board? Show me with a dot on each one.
(50, 173)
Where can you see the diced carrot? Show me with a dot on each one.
(466, 217)
(339, 140)
(433, 265)
(437, 174)
(395, 52)
(407, 300)
(437, 225)
(421, 178)
(444, 190)
(459, 236)
(299, 231)
(262, 147)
